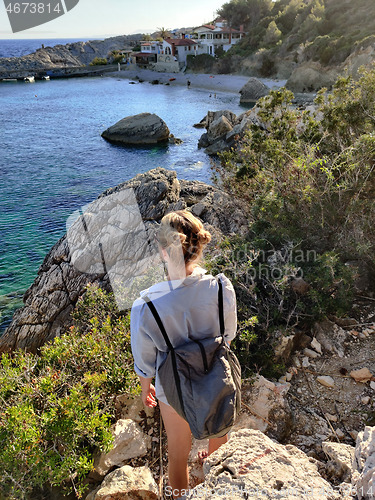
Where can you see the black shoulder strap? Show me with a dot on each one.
(221, 308)
(160, 323)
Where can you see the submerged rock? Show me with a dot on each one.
(144, 128)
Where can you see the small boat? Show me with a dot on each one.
(29, 79)
(46, 77)
(9, 80)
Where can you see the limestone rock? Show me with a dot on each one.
(363, 478)
(144, 128)
(251, 462)
(128, 483)
(310, 353)
(129, 442)
(341, 459)
(49, 301)
(316, 346)
(330, 336)
(253, 90)
(212, 116)
(271, 411)
(310, 77)
(284, 346)
(219, 128)
(326, 380)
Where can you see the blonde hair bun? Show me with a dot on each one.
(183, 228)
(204, 237)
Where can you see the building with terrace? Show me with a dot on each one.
(218, 34)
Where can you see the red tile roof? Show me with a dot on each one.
(180, 41)
(229, 30)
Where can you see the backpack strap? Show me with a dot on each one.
(158, 321)
(221, 308)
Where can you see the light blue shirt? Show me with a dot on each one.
(188, 309)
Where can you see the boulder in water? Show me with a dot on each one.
(145, 128)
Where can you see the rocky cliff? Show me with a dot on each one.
(58, 285)
(65, 56)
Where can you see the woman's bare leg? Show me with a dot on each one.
(179, 445)
(215, 443)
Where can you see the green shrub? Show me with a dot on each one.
(311, 177)
(263, 273)
(201, 62)
(99, 61)
(57, 407)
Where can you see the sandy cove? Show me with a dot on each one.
(213, 83)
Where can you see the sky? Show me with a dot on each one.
(104, 18)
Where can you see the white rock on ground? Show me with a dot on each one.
(363, 477)
(326, 381)
(127, 483)
(316, 346)
(269, 405)
(341, 459)
(129, 442)
(251, 463)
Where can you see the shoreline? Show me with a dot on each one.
(230, 83)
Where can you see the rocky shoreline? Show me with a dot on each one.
(58, 285)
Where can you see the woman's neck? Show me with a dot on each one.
(177, 274)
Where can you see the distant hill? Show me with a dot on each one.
(288, 37)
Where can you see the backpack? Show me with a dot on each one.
(201, 379)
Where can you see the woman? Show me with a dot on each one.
(188, 306)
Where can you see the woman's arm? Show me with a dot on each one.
(148, 392)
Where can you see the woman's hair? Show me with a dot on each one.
(181, 229)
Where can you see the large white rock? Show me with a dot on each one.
(128, 483)
(252, 465)
(363, 477)
(269, 408)
(129, 442)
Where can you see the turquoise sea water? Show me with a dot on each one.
(53, 159)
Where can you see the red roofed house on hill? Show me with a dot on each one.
(178, 48)
(218, 34)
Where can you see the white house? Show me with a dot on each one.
(219, 34)
(149, 52)
(179, 48)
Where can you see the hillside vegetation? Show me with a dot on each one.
(285, 33)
